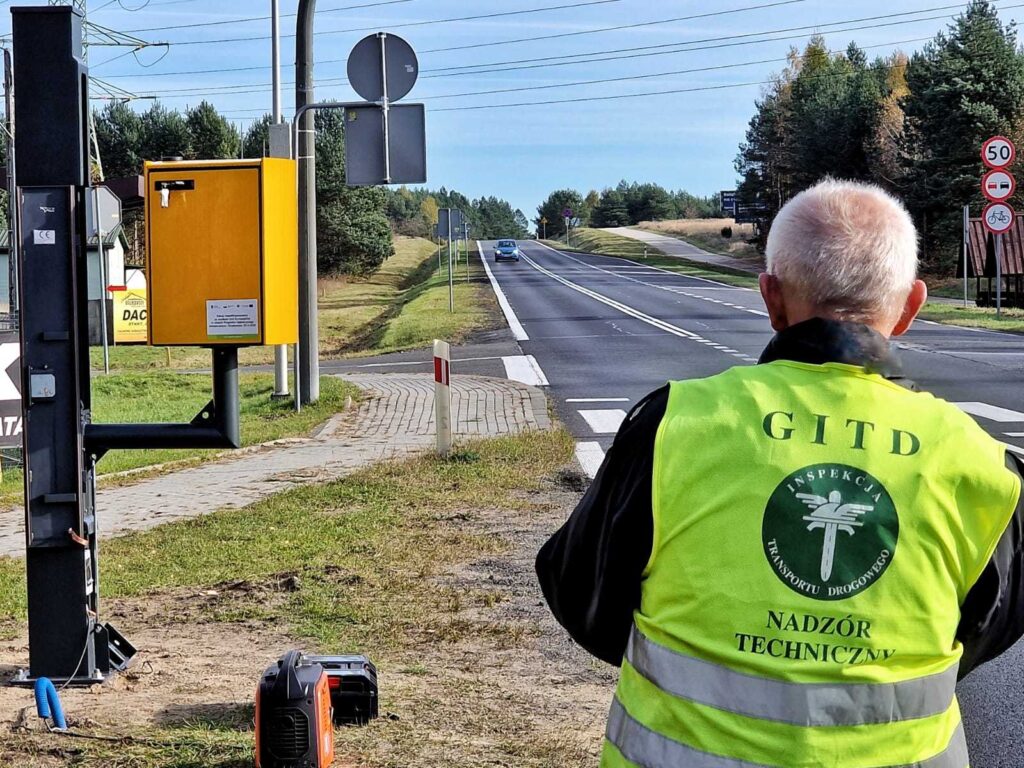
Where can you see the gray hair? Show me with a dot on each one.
(848, 248)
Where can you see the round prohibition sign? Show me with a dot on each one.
(998, 185)
(997, 218)
(998, 152)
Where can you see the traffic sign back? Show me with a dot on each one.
(370, 57)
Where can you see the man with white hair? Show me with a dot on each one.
(794, 562)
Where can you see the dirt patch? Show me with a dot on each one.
(487, 678)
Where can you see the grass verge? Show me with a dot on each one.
(399, 307)
(706, 234)
(367, 562)
(177, 397)
(1010, 320)
(418, 313)
(609, 244)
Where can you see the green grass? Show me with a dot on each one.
(366, 551)
(1010, 320)
(609, 244)
(177, 397)
(417, 311)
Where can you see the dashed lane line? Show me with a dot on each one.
(635, 313)
(590, 455)
(510, 316)
(597, 399)
(669, 289)
(604, 422)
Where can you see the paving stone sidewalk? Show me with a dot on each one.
(394, 419)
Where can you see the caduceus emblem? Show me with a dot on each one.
(833, 516)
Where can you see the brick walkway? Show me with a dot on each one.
(395, 418)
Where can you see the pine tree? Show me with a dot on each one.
(965, 85)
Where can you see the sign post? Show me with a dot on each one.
(998, 185)
(567, 214)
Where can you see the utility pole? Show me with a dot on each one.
(309, 342)
(281, 350)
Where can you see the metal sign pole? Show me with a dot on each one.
(999, 274)
(281, 350)
(384, 107)
(451, 282)
(102, 253)
(967, 241)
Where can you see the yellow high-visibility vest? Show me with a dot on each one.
(816, 529)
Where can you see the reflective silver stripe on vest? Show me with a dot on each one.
(795, 703)
(648, 749)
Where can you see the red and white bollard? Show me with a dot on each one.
(443, 396)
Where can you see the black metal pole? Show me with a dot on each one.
(305, 153)
(216, 426)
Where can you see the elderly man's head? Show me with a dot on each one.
(846, 251)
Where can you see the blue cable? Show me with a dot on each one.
(47, 700)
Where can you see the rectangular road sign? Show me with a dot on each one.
(727, 201)
(366, 145)
(442, 224)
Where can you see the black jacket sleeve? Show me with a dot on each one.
(590, 569)
(992, 616)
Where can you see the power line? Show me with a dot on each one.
(496, 42)
(242, 89)
(661, 46)
(611, 29)
(265, 18)
(406, 24)
(603, 81)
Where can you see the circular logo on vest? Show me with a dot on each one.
(830, 531)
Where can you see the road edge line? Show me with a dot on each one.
(518, 332)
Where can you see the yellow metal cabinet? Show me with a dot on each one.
(222, 252)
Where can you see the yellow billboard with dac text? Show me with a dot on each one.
(130, 324)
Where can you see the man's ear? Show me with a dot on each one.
(918, 296)
(771, 292)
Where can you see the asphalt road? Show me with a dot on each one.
(601, 332)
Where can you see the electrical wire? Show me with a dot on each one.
(263, 18)
(813, 28)
(242, 89)
(498, 42)
(430, 22)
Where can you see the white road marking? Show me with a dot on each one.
(525, 369)
(590, 456)
(991, 412)
(597, 399)
(625, 308)
(604, 422)
(1014, 449)
(1014, 434)
(677, 291)
(510, 316)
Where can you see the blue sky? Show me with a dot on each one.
(684, 140)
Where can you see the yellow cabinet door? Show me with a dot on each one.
(204, 241)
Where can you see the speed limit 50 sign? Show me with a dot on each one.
(998, 152)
